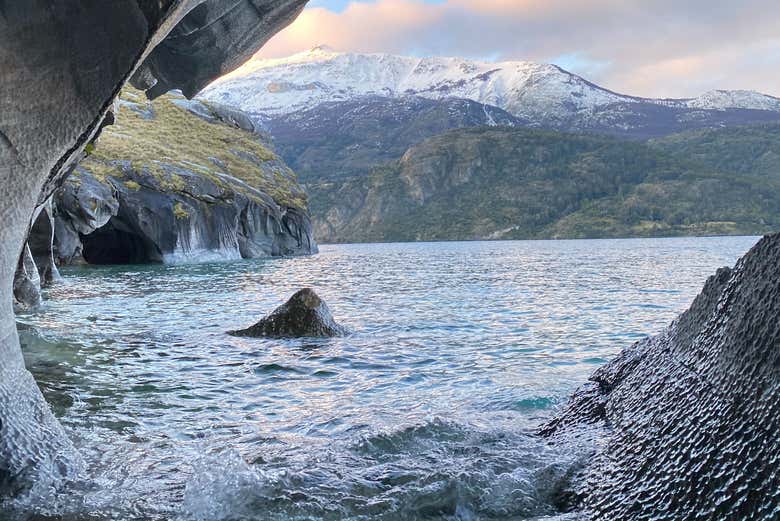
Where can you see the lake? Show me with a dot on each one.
(428, 410)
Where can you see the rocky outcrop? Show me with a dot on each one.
(149, 224)
(304, 315)
(178, 181)
(36, 268)
(690, 418)
(41, 243)
(82, 207)
(63, 65)
(212, 39)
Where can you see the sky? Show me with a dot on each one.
(659, 48)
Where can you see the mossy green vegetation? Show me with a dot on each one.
(748, 150)
(180, 212)
(160, 137)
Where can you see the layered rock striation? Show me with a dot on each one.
(37, 267)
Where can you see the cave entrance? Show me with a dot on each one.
(114, 245)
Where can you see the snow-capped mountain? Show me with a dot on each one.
(543, 94)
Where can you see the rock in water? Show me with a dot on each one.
(27, 283)
(690, 419)
(304, 315)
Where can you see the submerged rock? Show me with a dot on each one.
(304, 315)
(690, 418)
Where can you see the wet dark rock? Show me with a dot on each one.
(213, 38)
(690, 418)
(41, 243)
(304, 315)
(36, 268)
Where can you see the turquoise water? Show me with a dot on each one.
(460, 351)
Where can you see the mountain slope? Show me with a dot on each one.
(338, 139)
(491, 183)
(752, 149)
(544, 95)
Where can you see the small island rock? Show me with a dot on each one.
(304, 315)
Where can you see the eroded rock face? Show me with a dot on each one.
(36, 268)
(214, 37)
(27, 283)
(81, 207)
(141, 221)
(179, 180)
(41, 244)
(304, 315)
(691, 417)
(62, 64)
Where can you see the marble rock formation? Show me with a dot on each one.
(27, 283)
(691, 417)
(41, 243)
(180, 180)
(304, 315)
(147, 223)
(36, 268)
(63, 64)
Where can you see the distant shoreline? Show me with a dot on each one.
(660, 237)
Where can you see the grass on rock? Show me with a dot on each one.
(152, 135)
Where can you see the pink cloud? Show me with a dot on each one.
(646, 47)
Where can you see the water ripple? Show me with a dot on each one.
(460, 350)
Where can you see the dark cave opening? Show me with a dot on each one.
(113, 245)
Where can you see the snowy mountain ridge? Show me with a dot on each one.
(541, 93)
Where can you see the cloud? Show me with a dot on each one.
(664, 48)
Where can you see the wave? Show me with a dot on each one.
(436, 470)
